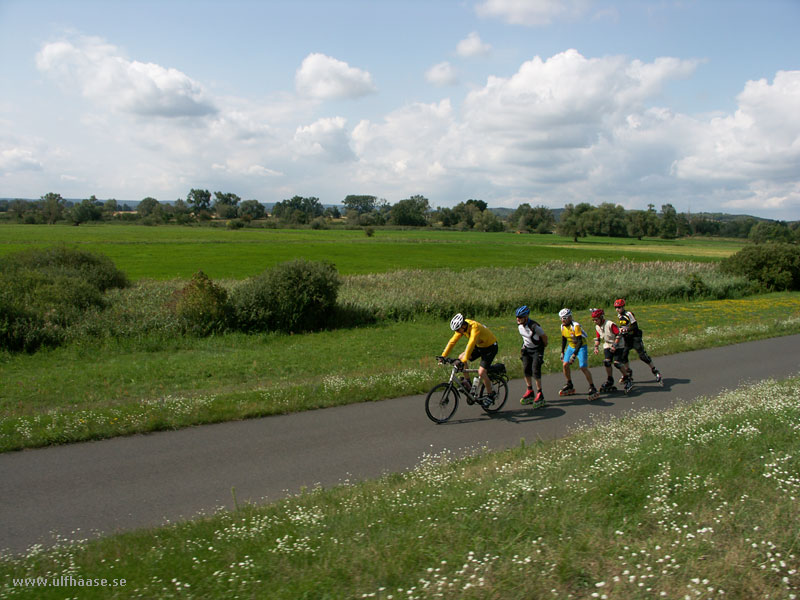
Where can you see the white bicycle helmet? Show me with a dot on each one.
(564, 313)
(456, 322)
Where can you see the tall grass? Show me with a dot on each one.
(548, 287)
(140, 313)
(699, 501)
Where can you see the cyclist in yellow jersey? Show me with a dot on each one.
(573, 345)
(481, 344)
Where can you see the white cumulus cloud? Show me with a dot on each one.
(325, 138)
(442, 74)
(325, 78)
(532, 12)
(472, 45)
(13, 160)
(107, 78)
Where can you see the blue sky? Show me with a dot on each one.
(694, 103)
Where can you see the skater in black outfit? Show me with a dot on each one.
(611, 337)
(632, 337)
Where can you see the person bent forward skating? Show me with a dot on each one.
(632, 337)
(609, 334)
(573, 344)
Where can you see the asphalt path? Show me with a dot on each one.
(82, 490)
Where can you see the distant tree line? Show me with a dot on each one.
(574, 220)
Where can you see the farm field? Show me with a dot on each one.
(167, 252)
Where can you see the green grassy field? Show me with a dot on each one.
(167, 252)
(699, 501)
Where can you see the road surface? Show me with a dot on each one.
(81, 490)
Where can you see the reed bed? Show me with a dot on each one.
(403, 295)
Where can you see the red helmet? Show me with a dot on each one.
(619, 302)
(597, 312)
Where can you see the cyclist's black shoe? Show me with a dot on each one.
(488, 400)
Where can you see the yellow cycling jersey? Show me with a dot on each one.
(574, 333)
(479, 336)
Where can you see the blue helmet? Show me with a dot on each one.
(523, 311)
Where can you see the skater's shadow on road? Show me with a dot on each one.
(516, 415)
(556, 407)
(667, 384)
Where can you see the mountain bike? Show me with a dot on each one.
(442, 400)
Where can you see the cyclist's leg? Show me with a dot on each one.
(487, 356)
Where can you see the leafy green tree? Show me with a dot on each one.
(770, 231)
(538, 219)
(480, 204)
(253, 209)
(52, 207)
(149, 207)
(775, 266)
(110, 206)
(18, 208)
(573, 222)
(88, 210)
(488, 221)
(181, 212)
(226, 205)
(446, 216)
(669, 222)
(411, 211)
(607, 219)
(298, 209)
(199, 200)
(360, 204)
(684, 226)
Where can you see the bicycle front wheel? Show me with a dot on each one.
(441, 403)
(501, 387)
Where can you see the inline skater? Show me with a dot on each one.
(632, 336)
(609, 334)
(481, 343)
(573, 344)
(534, 341)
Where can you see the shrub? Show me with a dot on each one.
(320, 223)
(774, 266)
(96, 269)
(202, 305)
(294, 296)
(44, 291)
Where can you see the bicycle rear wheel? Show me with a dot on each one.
(441, 403)
(501, 387)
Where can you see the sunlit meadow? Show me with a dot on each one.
(698, 501)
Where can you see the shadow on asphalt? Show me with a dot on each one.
(555, 407)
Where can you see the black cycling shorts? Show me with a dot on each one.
(486, 355)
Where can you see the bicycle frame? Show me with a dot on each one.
(459, 388)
